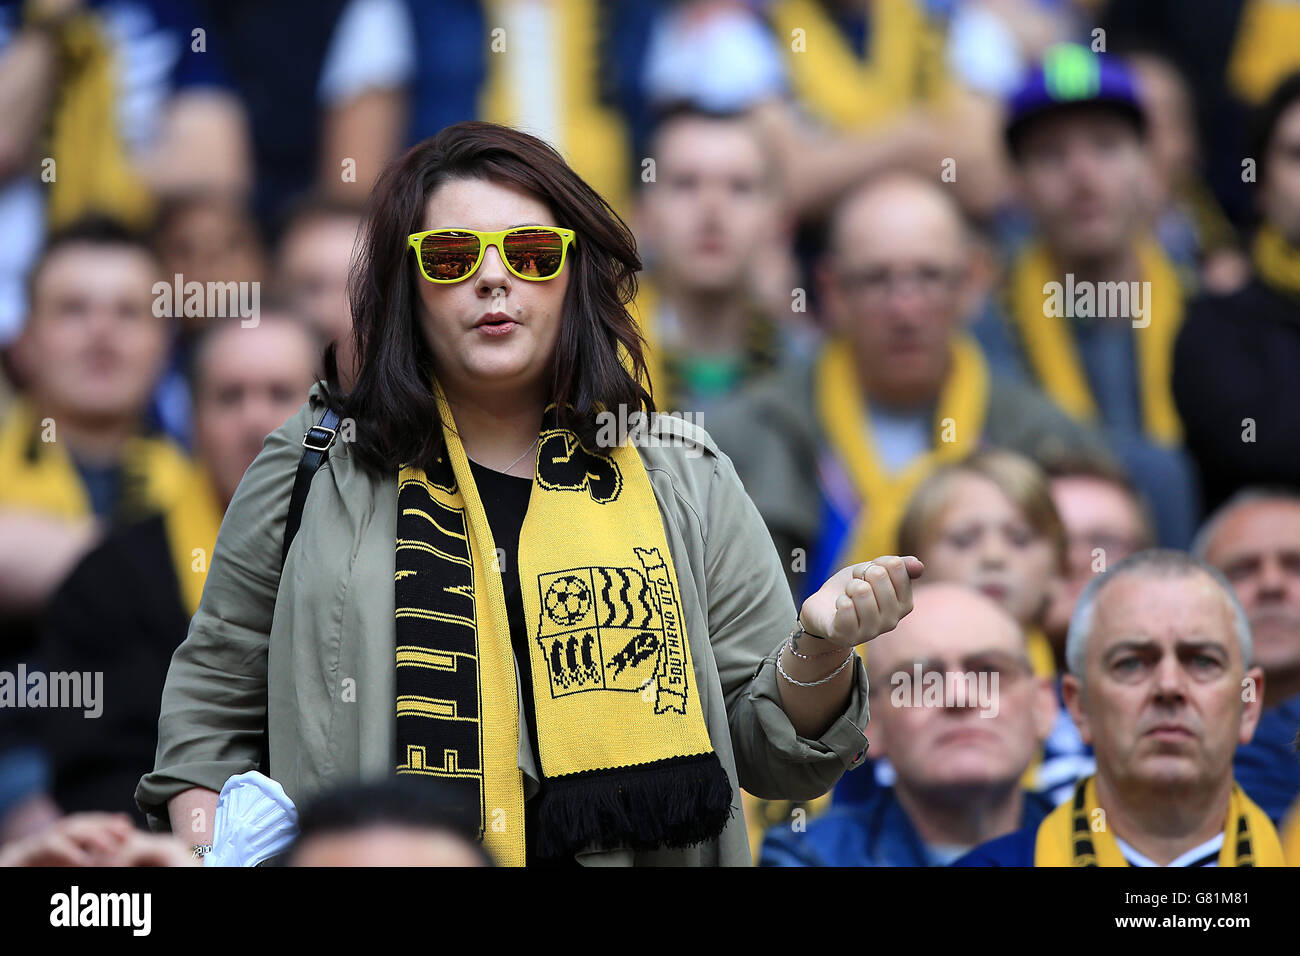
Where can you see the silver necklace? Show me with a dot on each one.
(521, 457)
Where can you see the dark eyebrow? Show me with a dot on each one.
(1179, 647)
(1202, 646)
(1127, 646)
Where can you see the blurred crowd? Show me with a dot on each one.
(1009, 285)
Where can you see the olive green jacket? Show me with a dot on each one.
(314, 647)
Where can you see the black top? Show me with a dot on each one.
(1236, 359)
(118, 614)
(505, 502)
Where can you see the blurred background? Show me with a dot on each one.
(831, 197)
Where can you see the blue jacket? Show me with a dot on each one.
(876, 832)
(1268, 768)
(1014, 849)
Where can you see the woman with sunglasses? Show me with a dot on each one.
(587, 641)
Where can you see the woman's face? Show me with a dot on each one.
(506, 357)
(983, 541)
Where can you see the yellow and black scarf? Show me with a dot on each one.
(94, 173)
(903, 62)
(1276, 261)
(625, 753)
(157, 478)
(1054, 360)
(1068, 837)
(591, 136)
(843, 412)
(1264, 49)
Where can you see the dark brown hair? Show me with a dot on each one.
(392, 403)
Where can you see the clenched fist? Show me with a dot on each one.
(862, 601)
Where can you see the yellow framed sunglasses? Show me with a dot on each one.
(534, 253)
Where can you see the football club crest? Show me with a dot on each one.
(614, 629)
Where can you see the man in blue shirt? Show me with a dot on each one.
(1159, 652)
(1254, 539)
(955, 706)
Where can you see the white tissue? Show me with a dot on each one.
(255, 821)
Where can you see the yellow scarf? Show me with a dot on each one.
(842, 410)
(1070, 835)
(92, 173)
(592, 137)
(904, 61)
(157, 478)
(1276, 260)
(1265, 49)
(1039, 649)
(1049, 343)
(624, 748)
(192, 536)
(1291, 835)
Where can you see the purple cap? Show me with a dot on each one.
(1071, 75)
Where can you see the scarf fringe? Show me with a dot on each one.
(673, 803)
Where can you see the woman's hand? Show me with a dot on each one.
(862, 601)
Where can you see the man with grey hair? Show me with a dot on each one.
(1160, 687)
(1254, 539)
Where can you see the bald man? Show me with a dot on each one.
(1159, 652)
(956, 708)
(830, 448)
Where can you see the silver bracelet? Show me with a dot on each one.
(853, 652)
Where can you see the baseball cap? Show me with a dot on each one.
(1072, 75)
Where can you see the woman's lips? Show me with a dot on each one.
(496, 329)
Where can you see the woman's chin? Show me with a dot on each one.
(503, 371)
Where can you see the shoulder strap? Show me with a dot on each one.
(316, 446)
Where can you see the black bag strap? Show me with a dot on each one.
(316, 447)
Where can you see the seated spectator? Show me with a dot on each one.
(313, 258)
(1187, 219)
(1158, 650)
(830, 448)
(204, 238)
(1254, 539)
(127, 606)
(1235, 361)
(705, 220)
(1105, 521)
(108, 104)
(1095, 303)
(989, 522)
(958, 758)
(393, 823)
(71, 449)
